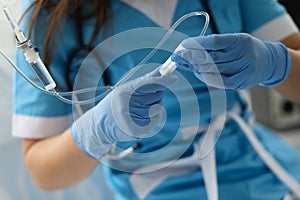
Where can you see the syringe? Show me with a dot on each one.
(30, 52)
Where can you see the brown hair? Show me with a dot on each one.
(59, 12)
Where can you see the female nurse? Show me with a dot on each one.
(62, 146)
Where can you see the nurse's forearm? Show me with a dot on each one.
(290, 88)
(56, 162)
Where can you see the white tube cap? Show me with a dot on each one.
(169, 66)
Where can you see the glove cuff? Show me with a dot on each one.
(281, 65)
(82, 132)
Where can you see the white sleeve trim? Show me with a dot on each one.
(39, 127)
(277, 29)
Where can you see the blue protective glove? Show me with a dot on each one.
(131, 111)
(234, 61)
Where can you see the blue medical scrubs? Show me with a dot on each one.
(241, 173)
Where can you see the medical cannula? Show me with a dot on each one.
(169, 66)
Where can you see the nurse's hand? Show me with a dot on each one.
(234, 61)
(131, 111)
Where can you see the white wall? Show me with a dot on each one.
(6, 45)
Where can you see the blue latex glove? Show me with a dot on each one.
(234, 61)
(130, 112)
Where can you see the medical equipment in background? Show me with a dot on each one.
(269, 107)
(273, 110)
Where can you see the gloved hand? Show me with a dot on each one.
(234, 61)
(130, 112)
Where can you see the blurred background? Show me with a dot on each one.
(279, 114)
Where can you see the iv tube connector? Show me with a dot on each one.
(169, 66)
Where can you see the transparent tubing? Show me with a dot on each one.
(31, 54)
(106, 89)
(163, 40)
(59, 95)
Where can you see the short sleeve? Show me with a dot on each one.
(35, 113)
(266, 19)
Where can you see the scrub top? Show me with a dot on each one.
(166, 166)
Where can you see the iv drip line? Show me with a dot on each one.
(106, 89)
